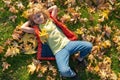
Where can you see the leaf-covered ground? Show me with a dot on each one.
(97, 21)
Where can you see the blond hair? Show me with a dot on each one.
(34, 9)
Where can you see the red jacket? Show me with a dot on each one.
(70, 35)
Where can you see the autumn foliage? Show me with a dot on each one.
(90, 20)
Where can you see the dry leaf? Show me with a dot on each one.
(70, 2)
(96, 69)
(65, 18)
(43, 36)
(12, 51)
(12, 9)
(7, 2)
(49, 78)
(20, 5)
(44, 68)
(79, 31)
(40, 75)
(5, 66)
(28, 49)
(1, 49)
(31, 68)
(13, 18)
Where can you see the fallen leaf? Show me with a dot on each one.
(31, 68)
(44, 68)
(12, 51)
(28, 49)
(20, 5)
(43, 36)
(5, 66)
(12, 9)
(13, 18)
(1, 49)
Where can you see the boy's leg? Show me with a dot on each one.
(83, 46)
(62, 59)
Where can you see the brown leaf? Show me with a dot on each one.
(7, 2)
(1, 49)
(12, 9)
(13, 18)
(12, 51)
(20, 5)
(49, 78)
(44, 68)
(5, 66)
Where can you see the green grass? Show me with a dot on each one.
(18, 68)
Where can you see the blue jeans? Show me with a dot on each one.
(62, 57)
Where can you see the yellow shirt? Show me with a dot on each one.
(56, 38)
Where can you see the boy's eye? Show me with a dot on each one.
(38, 15)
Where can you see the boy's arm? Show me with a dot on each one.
(25, 27)
(53, 10)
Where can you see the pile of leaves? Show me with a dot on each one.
(89, 19)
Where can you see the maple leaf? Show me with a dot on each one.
(106, 44)
(20, 5)
(52, 68)
(12, 9)
(37, 63)
(70, 2)
(43, 36)
(105, 14)
(91, 9)
(79, 31)
(44, 68)
(28, 49)
(7, 2)
(25, 14)
(12, 18)
(49, 78)
(5, 66)
(17, 32)
(40, 75)
(83, 19)
(12, 51)
(96, 69)
(107, 30)
(31, 68)
(26, 37)
(65, 18)
(1, 49)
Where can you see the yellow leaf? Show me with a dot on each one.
(96, 69)
(12, 51)
(107, 61)
(43, 36)
(91, 9)
(79, 31)
(105, 13)
(25, 14)
(28, 49)
(44, 68)
(65, 18)
(31, 68)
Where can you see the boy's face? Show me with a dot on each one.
(38, 18)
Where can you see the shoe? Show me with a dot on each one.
(75, 78)
(82, 63)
